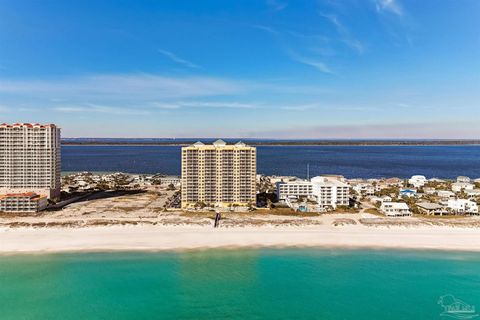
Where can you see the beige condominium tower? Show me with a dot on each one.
(218, 175)
(30, 159)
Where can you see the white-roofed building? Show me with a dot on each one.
(462, 186)
(417, 181)
(431, 208)
(395, 209)
(463, 179)
(364, 189)
(327, 191)
(473, 193)
(462, 206)
(445, 194)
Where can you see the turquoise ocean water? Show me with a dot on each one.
(237, 284)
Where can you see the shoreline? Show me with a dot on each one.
(197, 238)
(444, 144)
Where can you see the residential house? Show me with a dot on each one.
(445, 194)
(417, 181)
(473, 193)
(431, 208)
(364, 189)
(462, 186)
(463, 179)
(408, 193)
(462, 206)
(395, 209)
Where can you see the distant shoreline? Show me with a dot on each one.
(283, 143)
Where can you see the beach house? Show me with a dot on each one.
(417, 181)
(462, 206)
(462, 186)
(395, 209)
(431, 208)
(408, 193)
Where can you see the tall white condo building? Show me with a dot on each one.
(30, 159)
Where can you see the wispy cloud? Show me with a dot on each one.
(128, 94)
(303, 107)
(266, 29)
(14, 108)
(122, 87)
(276, 4)
(397, 130)
(392, 6)
(329, 107)
(344, 32)
(205, 104)
(177, 59)
(235, 105)
(93, 108)
(319, 65)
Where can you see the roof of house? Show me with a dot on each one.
(429, 205)
(396, 205)
(418, 177)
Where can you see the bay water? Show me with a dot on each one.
(350, 161)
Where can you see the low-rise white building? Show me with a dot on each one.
(408, 193)
(294, 189)
(473, 193)
(276, 179)
(428, 190)
(463, 179)
(168, 180)
(326, 191)
(431, 208)
(364, 189)
(417, 181)
(23, 202)
(445, 194)
(380, 200)
(459, 186)
(462, 206)
(395, 209)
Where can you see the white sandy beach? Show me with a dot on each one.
(157, 238)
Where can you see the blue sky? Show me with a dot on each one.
(263, 68)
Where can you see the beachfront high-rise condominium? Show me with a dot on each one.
(219, 175)
(30, 159)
